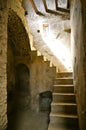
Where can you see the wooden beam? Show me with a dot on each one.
(34, 6)
(63, 10)
(56, 3)
(68, 4)
(45, 5)
(53, 12)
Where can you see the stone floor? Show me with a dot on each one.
(28, 120)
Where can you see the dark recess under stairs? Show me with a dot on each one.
(63, 114)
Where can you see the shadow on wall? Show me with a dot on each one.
(45, 99)
(22, 88)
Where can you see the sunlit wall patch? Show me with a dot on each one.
(45, 29)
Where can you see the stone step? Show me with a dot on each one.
(65, 119)
(63, 81)
(47, 63)
(33, 55)
(63, 88)
(39, 59)
(38, 53)
(64, 74)
(56, 126)
(45, 59)
(52, 71)
(63, 97)
(61, 108)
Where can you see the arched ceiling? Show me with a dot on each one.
(17, 35)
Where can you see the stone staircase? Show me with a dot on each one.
(63, 114)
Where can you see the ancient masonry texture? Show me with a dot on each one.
(3, 62)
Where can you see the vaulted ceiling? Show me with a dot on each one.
(48, 10)
(17, 35)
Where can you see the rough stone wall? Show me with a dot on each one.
(78, 41)
(18, 53)
(41, 76)
(41, 80)
(16, 6)
(37, 70)
(22, 87)
(3, 62)
(10, 77)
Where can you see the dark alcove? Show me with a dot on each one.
(45, 99)
(22, 88)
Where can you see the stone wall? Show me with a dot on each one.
(3, 62)
(41, 80)
(78, 39)
(16, 6)
(10, 77)
(41, 75)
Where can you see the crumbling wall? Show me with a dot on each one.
(17, 7)
(41, 80)
(3, 63)
(10, 76)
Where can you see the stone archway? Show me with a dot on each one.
(18, 51)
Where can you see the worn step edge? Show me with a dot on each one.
(63, 104)
(63, 85)
(64, 78)
(64, 74)
(62, 94)
(55, 126)
(63, 116)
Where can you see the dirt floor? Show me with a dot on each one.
(28, 120)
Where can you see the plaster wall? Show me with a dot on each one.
(78, 38)
(57, 37)
(41, 80)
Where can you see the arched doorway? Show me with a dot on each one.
(18, 51)
(22, 87)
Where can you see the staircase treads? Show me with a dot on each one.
(33, 55)
(62, 94)
(63, 107)
(67, 108)
(64, 116)
(63, 85)
(63, 81)
(66, 104)
(64, 74)
(63, 97)
(47, 63)
(65, 119)
(40, 58)
(56, 126)
(63, 88)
